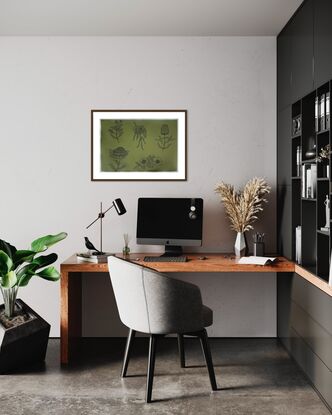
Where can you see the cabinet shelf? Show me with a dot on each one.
(309, 161)
(322, 132)
(308, 199)
(323, 232)
(323, 179)
(296, 178)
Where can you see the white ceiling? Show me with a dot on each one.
(145, 17)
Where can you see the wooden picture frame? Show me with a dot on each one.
(138, 145)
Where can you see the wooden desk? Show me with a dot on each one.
(71, 285)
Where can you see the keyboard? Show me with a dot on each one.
(165, 259)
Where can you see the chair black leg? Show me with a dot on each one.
(129, 343)
(208, 358)
(151, 362)
(181, 350)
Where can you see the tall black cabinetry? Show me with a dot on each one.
(322, 41)
(302, 48)
(304, 72)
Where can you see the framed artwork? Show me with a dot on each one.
(138, 145)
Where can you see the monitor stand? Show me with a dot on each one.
(172, 250)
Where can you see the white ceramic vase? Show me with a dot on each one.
(240, 245)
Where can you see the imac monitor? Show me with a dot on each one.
(173, 222)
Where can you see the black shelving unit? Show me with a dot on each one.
(308, 210)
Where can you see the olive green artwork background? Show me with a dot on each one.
(139, 145)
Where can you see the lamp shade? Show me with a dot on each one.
(119, 206)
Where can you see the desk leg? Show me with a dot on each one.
(71, 314)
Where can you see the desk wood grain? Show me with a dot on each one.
(212, 263)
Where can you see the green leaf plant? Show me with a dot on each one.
(17, 267)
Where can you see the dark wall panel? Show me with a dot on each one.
(284, 221)
(284, 147)
(322, 41)
(312, 365)
(302, 51)
(284, 68)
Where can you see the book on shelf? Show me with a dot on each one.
(322, 112)
(327, 111)
(313, 184)
(298, 161)
(309, 179)
(308, 183)
(316, 114)
(303, 181)
(298, 245)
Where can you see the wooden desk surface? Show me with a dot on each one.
(212, 263)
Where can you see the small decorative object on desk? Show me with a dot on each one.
(242, 207)
(326, 228)
(126, 249)
(258, 244)
(257, 260)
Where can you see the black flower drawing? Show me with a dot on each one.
(149, 163)
(165, 140)
(116, 130)
(118, 154)
(140, 135)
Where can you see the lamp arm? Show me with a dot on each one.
(112, 206)
(92, 223)
(100, 216)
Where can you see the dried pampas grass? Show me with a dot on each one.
(243, 206)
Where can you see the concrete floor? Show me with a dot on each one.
(254, 376)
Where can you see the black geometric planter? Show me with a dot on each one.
(24, 344)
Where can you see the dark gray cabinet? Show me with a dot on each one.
(284, 221)
(284, 149)
(322, 41)
(284, 68)
(302, 46)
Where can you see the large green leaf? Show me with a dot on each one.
(50, 274)
(22, 256)
(7, 248)
(44, 260)
(9, 280)
(25, 274)
(41, 244)
(6, 263)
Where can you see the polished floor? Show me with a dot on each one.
(254, 377)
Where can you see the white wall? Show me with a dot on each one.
(48, 87)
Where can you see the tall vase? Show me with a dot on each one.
(241, 248)
(9, 299)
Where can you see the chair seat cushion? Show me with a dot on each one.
(207, 316)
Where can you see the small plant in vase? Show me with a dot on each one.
(323, 158)
(242, 207)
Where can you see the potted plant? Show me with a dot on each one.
(24, 334)
(242, 207)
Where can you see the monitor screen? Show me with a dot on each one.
(170, 221)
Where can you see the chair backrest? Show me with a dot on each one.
(151, 302)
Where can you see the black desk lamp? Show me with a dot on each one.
(120, 209)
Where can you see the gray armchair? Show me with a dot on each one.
(153, 303)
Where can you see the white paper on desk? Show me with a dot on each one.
(256, 260)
